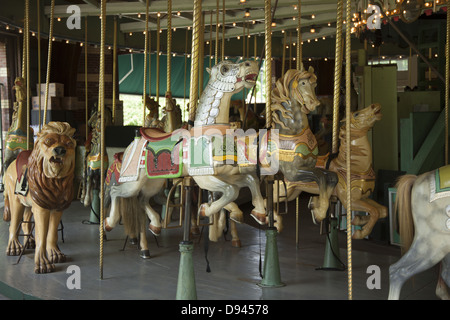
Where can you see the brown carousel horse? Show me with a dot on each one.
(295, 151)
(362, 173)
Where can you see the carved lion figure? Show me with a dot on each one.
(49, 173)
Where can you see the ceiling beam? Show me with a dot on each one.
(126, 8)
(257, 15)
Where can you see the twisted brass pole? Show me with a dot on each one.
(38, 36)
(102, 132)
(193, 93)
(27, 37)
(85, 76)
(114, 71)
(158, 36)
(223, 30)
(299, 35)
(337, 74)
(447, 83)
(49, 59)
(347, 123)
(216, 53)
(144, 90)
(268, 65)
(169, 44)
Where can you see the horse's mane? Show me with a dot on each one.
(281, 93)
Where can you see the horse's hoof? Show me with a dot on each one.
(133, 241)
(259, 217)
(154, 229)
(145, 254)
(236, 243)
(202, 210)
(106, 226)
(195, 231)
(236, 217)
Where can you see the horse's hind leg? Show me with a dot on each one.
(416, 260)
(444, 279)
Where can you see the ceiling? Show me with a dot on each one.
(321, 15)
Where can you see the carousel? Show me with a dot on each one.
(291, 171)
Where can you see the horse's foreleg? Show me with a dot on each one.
(114, 215)
(235, 241)
(326, 181)
(229, 193)
(367, 222)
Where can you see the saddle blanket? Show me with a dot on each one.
(440, 185)
(133, 158)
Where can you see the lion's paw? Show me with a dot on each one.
(14, 248)
(56, 256)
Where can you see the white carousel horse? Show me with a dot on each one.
(167, 155)
(423, 208)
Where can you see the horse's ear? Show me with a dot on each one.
(208, 70)
(311, 69)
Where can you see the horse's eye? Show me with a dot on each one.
(224, 69)
(303, 83)
(356, 114)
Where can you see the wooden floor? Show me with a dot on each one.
(235, 272)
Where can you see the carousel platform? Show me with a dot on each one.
(234, 274)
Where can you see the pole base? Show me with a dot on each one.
(332, 260)
(186, 278)
(95, 207)
(271, 273)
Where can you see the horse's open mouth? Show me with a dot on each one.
(251, 77)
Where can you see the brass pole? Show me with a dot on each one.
(299, 35)
(347, 123)
(447, 82)
(169, 45)
(49, 59)
(158, 36)
(216, 53)
(114, 71)
(223, 30)
(144, 90)
(283, 61)
(268, 53)
(39, 60)
(85, 74)
(193, 94)
(102, 132)
(337, 74)
(27, 37)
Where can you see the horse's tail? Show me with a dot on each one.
(133, 216)
(403, 210)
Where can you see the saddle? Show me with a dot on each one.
(440, 185)
(21, 171)
(113, 173)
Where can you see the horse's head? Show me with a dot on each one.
(228, 76)
(366, 118)
(302, 88)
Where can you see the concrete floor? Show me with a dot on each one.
(235, 272)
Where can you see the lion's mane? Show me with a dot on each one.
(50, 193)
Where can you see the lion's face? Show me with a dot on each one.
(58, 155)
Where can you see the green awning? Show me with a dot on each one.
(131, 75)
